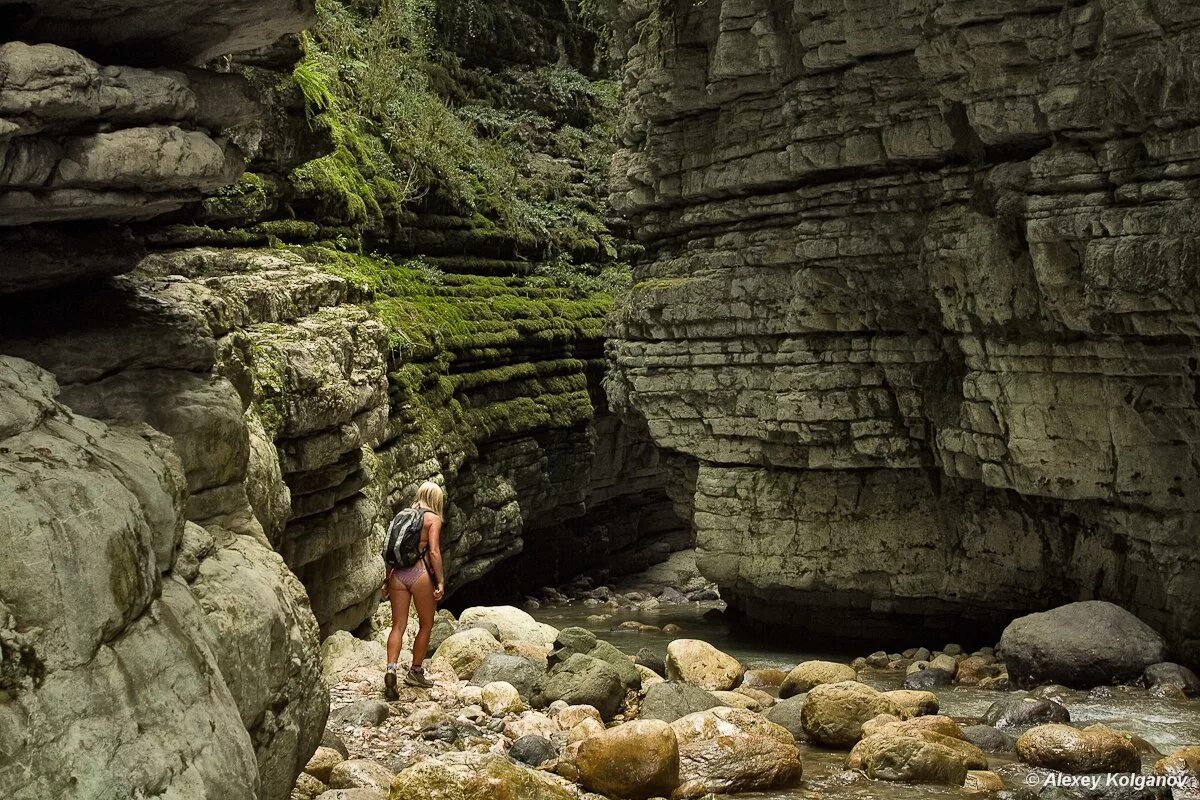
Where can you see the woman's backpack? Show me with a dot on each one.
(404, 538)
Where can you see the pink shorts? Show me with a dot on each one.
(409, 575)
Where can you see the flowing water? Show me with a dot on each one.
(1166, 724)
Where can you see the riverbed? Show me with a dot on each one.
(1167, 724)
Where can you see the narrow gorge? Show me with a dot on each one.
(886, 307)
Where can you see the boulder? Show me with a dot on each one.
(834, 713)
(492, 777)
(911, 759)
(1183, 762)
(322, 763)
(571, 716)
(499, 698)
(343, 652)
(578, 641)
(1019, 710)
(886, 723)
(361, 712)
(731, 750)
(513, 624)
(651, 660)
(649, 676)
(786, 713)
(671, 700)
(808, 674)
(531, 723)
(428, 780)
(974, 669)
(582, 680)
(989, 739)
(1168, 673)
(1085, 644)
(737, 700)
(360, 773)
(697, 662)
(914, 703)
(941, 731)
(983, 780)
(636, 760)
(768, 678)
(929, 678)
(522, 673)
(466, 650)
(532, 750)
(307, 788)
(1069, 749)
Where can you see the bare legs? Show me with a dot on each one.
(422, 595)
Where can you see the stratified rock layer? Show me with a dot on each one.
(920, 299)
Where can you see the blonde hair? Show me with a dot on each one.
(431, 496)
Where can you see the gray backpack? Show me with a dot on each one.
(404, 538)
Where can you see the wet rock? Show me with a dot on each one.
(499, 698)
(1068, 749)
(671, 700)
(879, 659)
(361, 712)
(730, 750)
(532, 750)
(1083, 644)
(359, 773)
(636, 760)
(989, 739)
(322, 763)
(511, 623)
(786, 713)
(1019, 710)
(769, 678)
(522, 673)
(834, 713)
(582, 680)
(650, 659)
(914, 703)
(1169, 673)
(942, 731)
(974, 669)
(982, 780)
(1168, 691)
(1184, 761)
(928, 678)
(909, 759)
(467, 649)
(697, 662)
(808, 674)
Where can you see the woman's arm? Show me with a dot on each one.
(435, 556)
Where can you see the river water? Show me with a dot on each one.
(1166, 724)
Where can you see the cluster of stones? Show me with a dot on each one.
(561, 714)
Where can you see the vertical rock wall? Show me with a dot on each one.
(920, 301)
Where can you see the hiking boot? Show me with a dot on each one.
(389, 685)
(418, 679)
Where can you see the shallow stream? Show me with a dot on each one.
(1166, 724)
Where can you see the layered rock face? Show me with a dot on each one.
(212, 399)
(920, 302)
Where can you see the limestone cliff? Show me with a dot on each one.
(253, 290)
(920, 303)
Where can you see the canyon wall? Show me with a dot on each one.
(919, 302)
(243, 314)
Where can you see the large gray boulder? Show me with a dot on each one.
(521, 672)
(1085, 644)
(671, 700)
(582, 680)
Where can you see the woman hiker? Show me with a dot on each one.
(414, 559)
